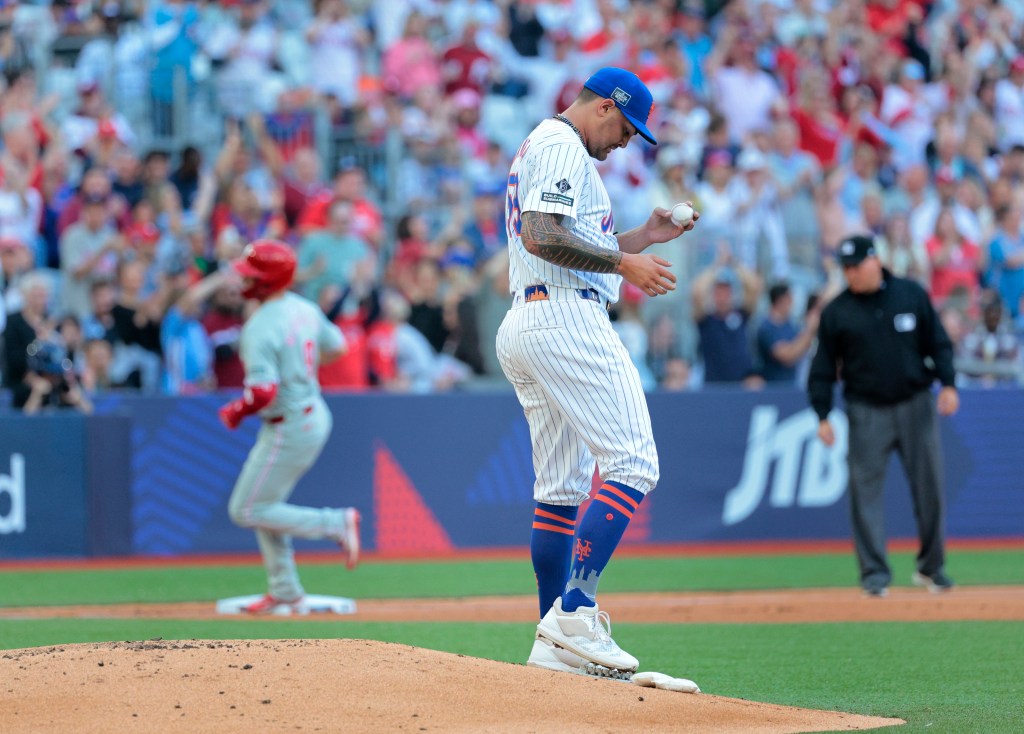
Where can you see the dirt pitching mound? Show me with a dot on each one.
(227, 686)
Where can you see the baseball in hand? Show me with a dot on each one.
(682, 215)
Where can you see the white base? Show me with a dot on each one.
(311, 604)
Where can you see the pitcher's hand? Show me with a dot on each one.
(649, 273)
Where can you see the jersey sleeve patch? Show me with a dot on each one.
(553, 198)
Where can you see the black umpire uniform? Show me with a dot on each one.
(883, 339)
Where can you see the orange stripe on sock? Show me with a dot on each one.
(552, 528)
(552, 516)
(616, 505)
(621, 495)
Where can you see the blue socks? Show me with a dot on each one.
(554, 528)
(597, 536)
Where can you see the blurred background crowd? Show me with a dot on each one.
(144, 143)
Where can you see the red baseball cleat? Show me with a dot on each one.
(272, 605)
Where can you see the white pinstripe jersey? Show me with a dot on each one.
(553, 173)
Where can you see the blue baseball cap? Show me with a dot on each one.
(630, 95)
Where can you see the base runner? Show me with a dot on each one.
(282, 345)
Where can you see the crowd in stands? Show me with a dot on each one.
(789, 123)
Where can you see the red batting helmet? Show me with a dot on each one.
(269, 265)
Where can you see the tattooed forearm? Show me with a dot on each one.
(543, 236)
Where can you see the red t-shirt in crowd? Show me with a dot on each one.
(366, 220)
(350, 370)
(225, 329)
(960, 271)
(818, 137)
(382, 352)
(297, 198)
(465, 68)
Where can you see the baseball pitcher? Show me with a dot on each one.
(581, 393)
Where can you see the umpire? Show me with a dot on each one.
(882, 338)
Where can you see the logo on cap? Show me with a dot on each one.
(621, 97)
(848, 248)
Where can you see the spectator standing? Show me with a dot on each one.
(223, 320)
(878, 337)
(329, 256)
(352, 309)
(246, 50)
(160, 192)
(95, 185)
(898, 252)
(137, 355)
(187, 177)
(175, 38)
(745, 94)
(24, 327)
(410, 63)
(242, 218)
(797, 175)
(301, 181)
(337, 39)
(400, 357)
(1006, 258)
(781, 347)
(760, 234)
(349, 186)
(126, 170)
(465, 65)
(909, 108)
(718, 199)
(1009, 105)
(990, 354)
(722, 324)
(15, 262)
(89, 252)
(694, 43)
(955, 263)
(485, 230)
(21, 206)
(94, 118)
(427, 303)
(188, 355)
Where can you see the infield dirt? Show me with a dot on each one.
(357, 686)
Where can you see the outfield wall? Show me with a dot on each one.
(152, 476)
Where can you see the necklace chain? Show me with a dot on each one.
(567, 121)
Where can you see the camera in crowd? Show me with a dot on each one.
(50, 359)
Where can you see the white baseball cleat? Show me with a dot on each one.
(349, 540)
(665, 682)
(587, 633)
(548, 655)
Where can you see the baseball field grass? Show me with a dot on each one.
(938, 676)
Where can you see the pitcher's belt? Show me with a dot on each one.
(543, 293)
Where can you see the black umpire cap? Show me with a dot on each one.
(854, 250)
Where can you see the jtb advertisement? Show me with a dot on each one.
(442, 472)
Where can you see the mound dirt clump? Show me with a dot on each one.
(227, 686)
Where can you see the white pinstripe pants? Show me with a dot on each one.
(581, 395)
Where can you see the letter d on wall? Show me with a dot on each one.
(13, 485)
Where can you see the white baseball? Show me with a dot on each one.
(682, 214)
